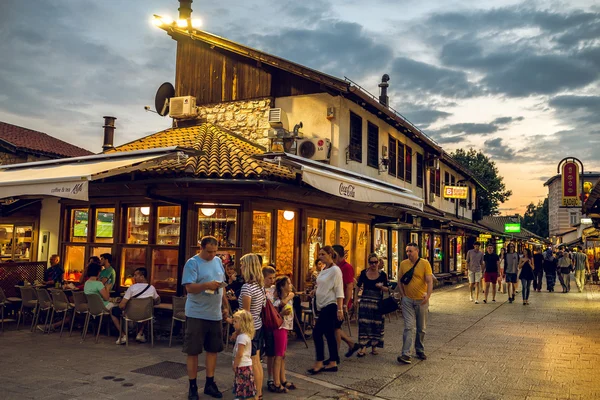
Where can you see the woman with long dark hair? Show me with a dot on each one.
(370, 320)
(329, 299)
(526, 276)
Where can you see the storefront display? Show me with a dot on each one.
(380, 242)
(261, 235)
(168, 225)
(138, 225)
(438, 254)
(220, 223)
(459, 253)
(286, 234)
(16, 243)
(395, 260)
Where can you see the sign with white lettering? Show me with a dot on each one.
(77, 190)
(456, 192)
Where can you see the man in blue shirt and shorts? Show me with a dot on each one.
(203, 276)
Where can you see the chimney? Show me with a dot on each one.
(185, 9)
(109, 133)
(383, 97)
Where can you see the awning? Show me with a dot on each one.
(70, 177)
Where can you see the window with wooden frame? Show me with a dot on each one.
(392, 167)
(400, 156)
(438, 189)
(452, 182)
(355, 146)
(419, 170)
(446, 181)
(372, 145)
(408, 163)
(431, 181)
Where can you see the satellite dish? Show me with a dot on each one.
(161, 100)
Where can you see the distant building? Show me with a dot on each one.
(560, 219)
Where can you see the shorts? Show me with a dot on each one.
(281, 341)
(511, 278)
(257, 341)
(202, 334)
(490, 277)
(474, 277)
(110, 305)
(116, 312)
(268, 343)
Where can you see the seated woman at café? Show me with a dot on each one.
(84, 277)
(94, 286)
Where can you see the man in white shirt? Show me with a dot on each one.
(140, 289)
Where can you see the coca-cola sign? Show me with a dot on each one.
(347, 190)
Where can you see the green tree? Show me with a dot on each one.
(536, 218)
(486, 172)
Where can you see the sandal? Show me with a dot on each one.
(280, 389)
(361, 353)
(352, 350)
(375, 352)
(313, 371)
(289, 385)
(271, 386)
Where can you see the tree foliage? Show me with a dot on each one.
(486, 172)
(536, 218)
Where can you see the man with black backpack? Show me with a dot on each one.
(416, 285)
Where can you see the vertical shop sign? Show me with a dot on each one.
(570, 184)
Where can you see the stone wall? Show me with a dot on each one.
(249, 118)
(10, 158)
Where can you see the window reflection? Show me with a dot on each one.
(261, 235)
(79, 225)
(220, 223)
(164, 269)
(138, 225)
(131, 259)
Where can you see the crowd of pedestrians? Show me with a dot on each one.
(492, 270)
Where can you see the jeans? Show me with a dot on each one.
(566, 282)
(526, 283)
(580, 279)
(325, 326)
(415, 318)
(538, 276)
(550, 280)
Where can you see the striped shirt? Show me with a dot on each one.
(257, 296)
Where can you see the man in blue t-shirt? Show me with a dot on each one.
(203, 276)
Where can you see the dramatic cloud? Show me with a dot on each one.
(498, 150)
(470, 128)
(578, 108)
(423, 117)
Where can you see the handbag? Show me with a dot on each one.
(271, 319)
(388, 305)
(407, 277)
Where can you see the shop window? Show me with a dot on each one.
(74, 262)
(261, 235)
(132, 258)
(315, 234)
(395, 261)
(331, 232)
(408, 162)
(392, 167)
(355, 146)
(168, 225)
(286, 234)
(438, 255)
(138, 225)
(164, 269)
(459, 253)
(381, 246)
(79, 225)
(419, 170)
(438, 190)
(372, 145)
(105, 225)
(447, 181)
(362, 245)
(431, 181)
(425, 246)
(220, 223)
(16, 243)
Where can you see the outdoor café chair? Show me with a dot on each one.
(44, 304)
(80, 307)
(60, 304)
(28, 302)
(96, 309)
(3, 302)
(178, 314)
(140, 310)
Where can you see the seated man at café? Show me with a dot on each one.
(55, 273)
(141, 289)
(108, 276)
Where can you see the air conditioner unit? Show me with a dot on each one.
(314, 149)
(182, 107)
(278, 119)
(433, 163)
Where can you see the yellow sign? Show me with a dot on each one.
(456, 192)
(485, 236)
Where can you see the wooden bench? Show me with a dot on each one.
(444, 278)
(457, 276)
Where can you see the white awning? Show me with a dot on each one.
(70, 177)
(358, 190)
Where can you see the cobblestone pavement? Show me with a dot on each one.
(547, 350)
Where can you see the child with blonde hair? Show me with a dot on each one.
(283, 301)
(243, 382)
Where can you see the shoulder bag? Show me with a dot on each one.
(271, 319)
(407, 277)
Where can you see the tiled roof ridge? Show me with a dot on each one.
(47, 144)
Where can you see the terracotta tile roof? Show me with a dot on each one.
(227, 155)
(39, 143)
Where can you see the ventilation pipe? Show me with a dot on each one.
(383, 97)
(109, 133)
(185, 11)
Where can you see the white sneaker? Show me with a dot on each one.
(476, 302)
(471, 298)
(141, 338)
(121, 340)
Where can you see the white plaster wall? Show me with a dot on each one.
(49, 221)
